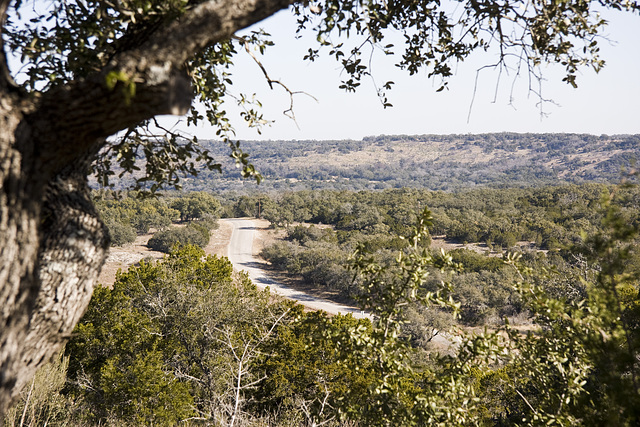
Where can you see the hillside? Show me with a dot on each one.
(436, 162)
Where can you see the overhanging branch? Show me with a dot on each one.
(70, 118)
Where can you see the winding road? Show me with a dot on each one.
(240, 253)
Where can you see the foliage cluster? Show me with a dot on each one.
(194, 233)
(132, 214)
(196, 205)
(129, 216)
(578, 367)
(173, 340)
(548, 219)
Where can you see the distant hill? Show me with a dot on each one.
(438, 162)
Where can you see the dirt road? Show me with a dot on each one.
(239, 240)
(241, 255)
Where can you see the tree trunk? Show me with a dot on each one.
(52, 246)
(19, 221)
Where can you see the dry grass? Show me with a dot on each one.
(265, 235)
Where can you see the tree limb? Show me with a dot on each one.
(68, 119)
(6, 81)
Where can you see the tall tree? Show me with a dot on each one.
(93, 68)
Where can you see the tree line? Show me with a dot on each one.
(549, 216)
(128, 215)
(541, 224)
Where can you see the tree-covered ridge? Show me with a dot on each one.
(436, 162)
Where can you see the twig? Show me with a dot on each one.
(288, 112)
(26, 404)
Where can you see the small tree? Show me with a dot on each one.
(172, 340)
(197, 205)
(192, 234)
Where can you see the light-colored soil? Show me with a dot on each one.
(122, 257)
(265, 235)
(441, 242)
(219, 240)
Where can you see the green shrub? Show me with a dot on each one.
(121, 234)
(159, 347)
(193, 234)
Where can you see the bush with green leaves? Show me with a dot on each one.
(172, 340)
(305, 371)
(121, 233)
(578, 366)
(319, 255)
(125, 217)
(194, 233)
(197, 205)
(314, 254)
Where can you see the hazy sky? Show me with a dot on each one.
(608, 102)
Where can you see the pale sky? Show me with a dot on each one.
(604, 103)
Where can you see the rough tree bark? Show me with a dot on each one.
(52, 243)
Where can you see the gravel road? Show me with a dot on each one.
(240, 253)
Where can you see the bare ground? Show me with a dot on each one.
(122, 257)
(219, 240)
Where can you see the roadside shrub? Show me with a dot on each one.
(140, 214)
(283, 255)
(121, 234)
(193, 234)
(210, 222)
